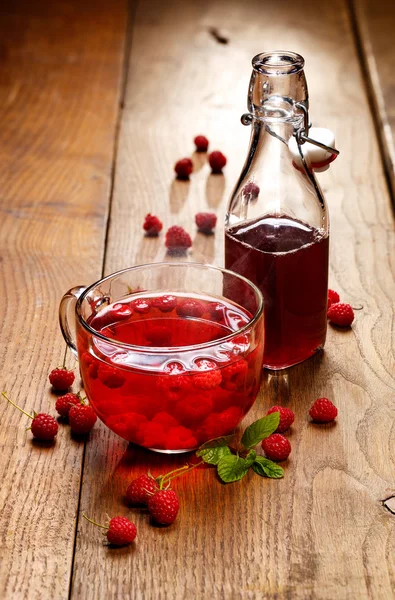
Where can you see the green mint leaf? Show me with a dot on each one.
(232, 468)
(267, 468)
(251, 456)
(225, 440)
(260, 430)
(212, 456)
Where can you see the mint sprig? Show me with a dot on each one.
(234, 463)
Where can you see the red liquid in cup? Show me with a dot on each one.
(288, 261)
(178, 402)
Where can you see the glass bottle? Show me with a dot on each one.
(277, 226)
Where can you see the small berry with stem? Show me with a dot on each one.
(120, 531)
(44, 427)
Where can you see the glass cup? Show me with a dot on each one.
(170, 354)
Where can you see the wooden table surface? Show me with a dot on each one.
(98, 100)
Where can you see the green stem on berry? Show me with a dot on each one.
(177, 473)
(16, 406)
(64, 356)
(94, 522)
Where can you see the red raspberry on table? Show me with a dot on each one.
(323, 411)
(183, 168)
(201, 143)
(191, 308)
(64, 403)
(206, 222)
(177, 240)
(287, 417)
(164, 507)
(276, 447)
(164, 303)
(251, 190)
(341, 314)
(61, 379)
(140, 489)
(44, 427)
(121, 531)
(333, 297)
(82, 419)
(217, 161)
(152, 225)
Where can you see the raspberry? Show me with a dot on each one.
(111, 377)
(64, 403)
(341, 314)
(217, 311)
(251, 190)
(206, 222)
(183, 168)
(201, 143)
(287, 417)
(190, 412)
(234, 375)
(190, 308)
(207, 380)
(61, 379)
(217, 161)
(323, 411)
(120, 531)
(177, 240)
(151, 435)
(164, 303)
(140, 489)
(220, 424)
(152, 225)
(333, 297)
(165, 419)
(164, 507)
(141, 305)
(276, 447)
(174, 385)
(44, 427)
(180, 438)
(82, 419)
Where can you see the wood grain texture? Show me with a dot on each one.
(60, 77)
(375, 26)
(322, 532)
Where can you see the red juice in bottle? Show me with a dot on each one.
(170, 401)
(287, 260)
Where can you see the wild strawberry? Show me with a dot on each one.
(82, 419)
(276, 447)
(190, 308)
(287, 417)
(251, 190)
(183, 168)
(43, 427)
(201, 143)
(333, 297)
(164, 303)
(323, 411)
(61, 378)
(217, 161)
(139, 490)
(164, 507)
(64, 403)
(152, 225)
(206, 222)
(341, 314)
(120, 530)
(177, 240)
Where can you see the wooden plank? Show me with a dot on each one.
(322, 531)
(375, 26)
(60, 84)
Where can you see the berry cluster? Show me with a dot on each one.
(216, 159)
(339, 313)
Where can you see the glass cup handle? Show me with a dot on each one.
(68, 302)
